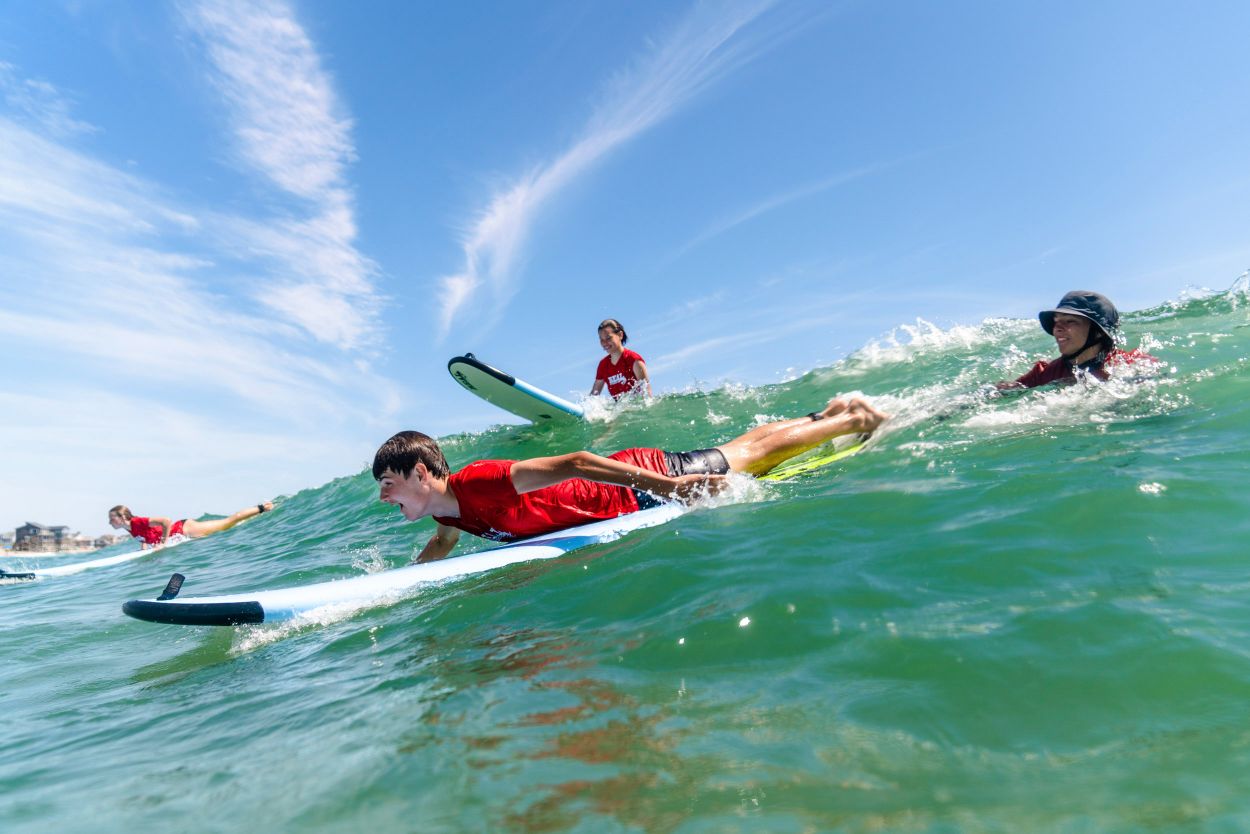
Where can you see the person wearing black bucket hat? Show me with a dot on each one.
(1085, 326)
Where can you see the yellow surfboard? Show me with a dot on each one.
(816, 459)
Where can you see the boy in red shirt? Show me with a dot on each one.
(505, 500)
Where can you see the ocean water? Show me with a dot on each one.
(1028, 613)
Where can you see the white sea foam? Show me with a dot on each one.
(368, 559)
(907, 341)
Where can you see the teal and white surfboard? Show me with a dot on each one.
(513, 395)
(92, 564)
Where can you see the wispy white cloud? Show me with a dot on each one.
(123, 314)
(39, 102)
(784, 326)
(97, 283)
(284, 108)
(46, 185)
(773, 203)
(702, 48)
(289, 127)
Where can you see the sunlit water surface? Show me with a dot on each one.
(1024, 613)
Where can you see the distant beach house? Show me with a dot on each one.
(41, 538)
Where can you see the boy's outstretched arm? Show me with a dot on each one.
(439, 545)
(537, 473)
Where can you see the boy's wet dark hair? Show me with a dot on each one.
(405, 450)
(615, 327)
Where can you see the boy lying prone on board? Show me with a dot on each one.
(505, 500)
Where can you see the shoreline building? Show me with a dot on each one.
(32, 537)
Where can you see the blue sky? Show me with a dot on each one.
(239, 241)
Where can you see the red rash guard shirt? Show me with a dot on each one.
(1055, 370)
(491, 508)
(142, 528)
(620, 377)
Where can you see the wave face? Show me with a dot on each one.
(1021, 613)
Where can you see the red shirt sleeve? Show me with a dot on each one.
(1045, 372)
(480, 487)
(491, 508)
(489, 480)
(141, 528)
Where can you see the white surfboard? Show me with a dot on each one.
(384, 586)
(79, 567)
(509, 393)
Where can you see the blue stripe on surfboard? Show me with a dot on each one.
(516, 396)
(551, 399)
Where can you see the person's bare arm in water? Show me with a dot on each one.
(440, 545)
(164, 523)
(537, 473)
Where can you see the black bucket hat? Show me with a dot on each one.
(1091, 305)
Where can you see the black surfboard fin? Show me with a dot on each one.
(172, 588)
(4, 574)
